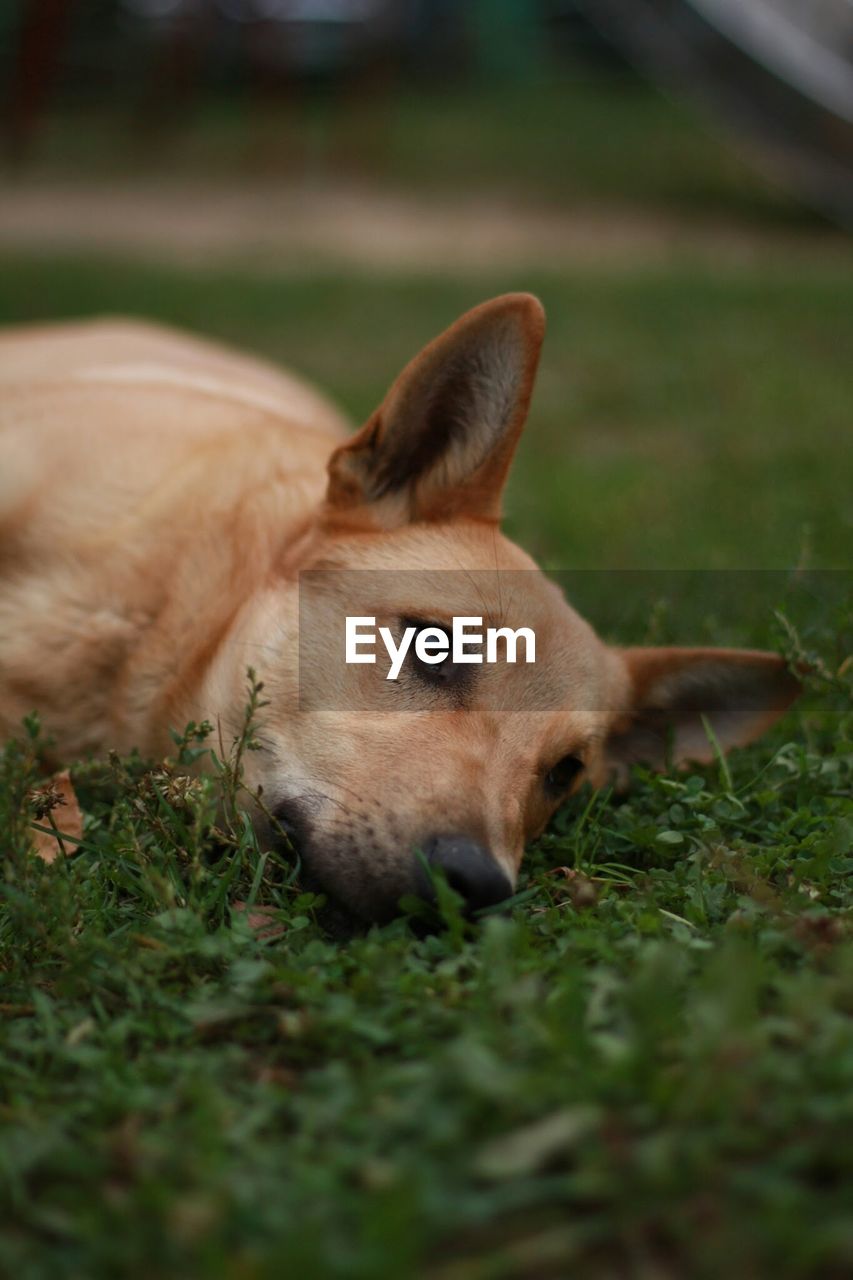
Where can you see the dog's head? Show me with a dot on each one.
(459, 762)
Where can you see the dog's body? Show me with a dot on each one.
(149, 484)
(159, 497)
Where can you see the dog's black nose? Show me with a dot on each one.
(468, 868)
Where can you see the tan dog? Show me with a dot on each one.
(158, 500)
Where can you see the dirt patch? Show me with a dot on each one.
(296, 228)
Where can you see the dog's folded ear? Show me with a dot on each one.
(671, 697)
(441, 443)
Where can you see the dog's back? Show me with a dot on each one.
(144, 476)
(132, 351)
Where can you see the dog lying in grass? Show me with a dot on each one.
(160, 500)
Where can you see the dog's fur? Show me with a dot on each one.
(159, 497)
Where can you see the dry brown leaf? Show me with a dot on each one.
(57, 807)
(262, 920)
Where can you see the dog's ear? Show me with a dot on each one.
(668, 694)
(441, 442)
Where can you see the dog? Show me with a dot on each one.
(160, 500)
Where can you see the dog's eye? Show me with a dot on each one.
(561, 775)
(443, 671)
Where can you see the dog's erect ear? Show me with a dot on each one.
(441, 442)
(669, 692)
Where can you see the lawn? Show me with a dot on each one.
(578, 137)
(645, 1067)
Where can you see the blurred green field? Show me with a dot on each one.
(645, 1069)
(594, 139)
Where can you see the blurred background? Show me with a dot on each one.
(329, 182)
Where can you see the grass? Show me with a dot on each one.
(646, 1066)
(594, 139)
